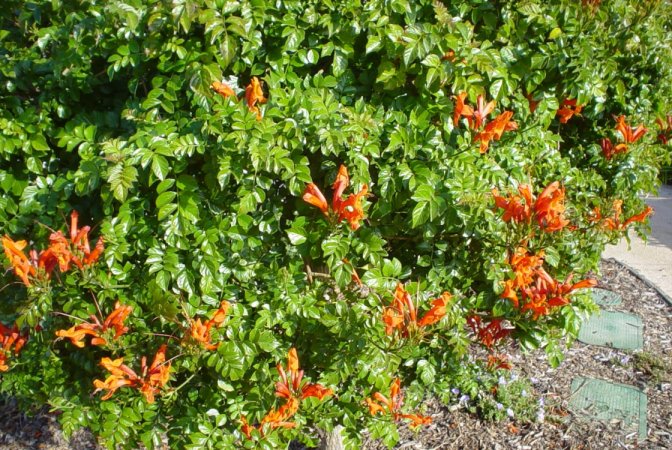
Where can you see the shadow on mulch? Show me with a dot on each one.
(37, 430)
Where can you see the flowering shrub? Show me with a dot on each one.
(476, 174)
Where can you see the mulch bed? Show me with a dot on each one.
(649, 370)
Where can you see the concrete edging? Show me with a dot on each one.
(642, 278)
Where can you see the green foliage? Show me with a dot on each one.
(107, 108)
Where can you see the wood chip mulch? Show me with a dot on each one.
(649, 369)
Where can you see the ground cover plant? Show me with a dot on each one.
(239, 223)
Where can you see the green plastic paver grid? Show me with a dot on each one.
(613, 329)
(603, 400)
(606, 298)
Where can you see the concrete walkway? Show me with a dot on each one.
(653, 260)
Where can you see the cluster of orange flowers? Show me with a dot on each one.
(665, 126)
(349, 209)
(101, 332)
(629, 135)
(568, 109)
(200, 331)
(254, 94)
(539, 292)
(402, 314)
(153, 377)
(392, 406)
(614, 222)
(10, 337)
(61, 252)
(477, 119)
(489, 334)
(291, 387)
(548, 208)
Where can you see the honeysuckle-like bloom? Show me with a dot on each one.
(77, 250)
(549, 208)
(557, 292)
(223, 89)
(99, 331)
(279, 418)
(614, 223)
(152, 380)
(156, 376)
(496, 361)
(629, 135)
(200, 331)
(482, 111)
(525, 267)
(568, 109)
(516, 208)
(462, 109)
(120, 376)
(292, 385)
(392, 406)
(490, 333)
(548, 293)
(349, 209)
(609, 150)
(665, 126)
(494, 130)
(273, 419)
(254, 96)
(11, 340)
(23, 267)
(401, 315)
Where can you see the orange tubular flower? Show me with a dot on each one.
(498, 362)
(495, 129)
(550, 208)
(313, 196)
(292, 388)
(291, 385)
(462, 109)
(482, 111)
(156, 376)
(349, 209)
(23, 268)
(614, 223)
(558, 292)
(254, 96)
(490, 334)
(115, 321)
(665, 126)
(200, 332)
(10, 337)
(630, 136)
(120, 376)
(516, 208)
(381, 404)
(437, 312)
(223, 89)
(401, 315)
(340, 184)
(153, 377)
(568, 109)
(608, 149)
